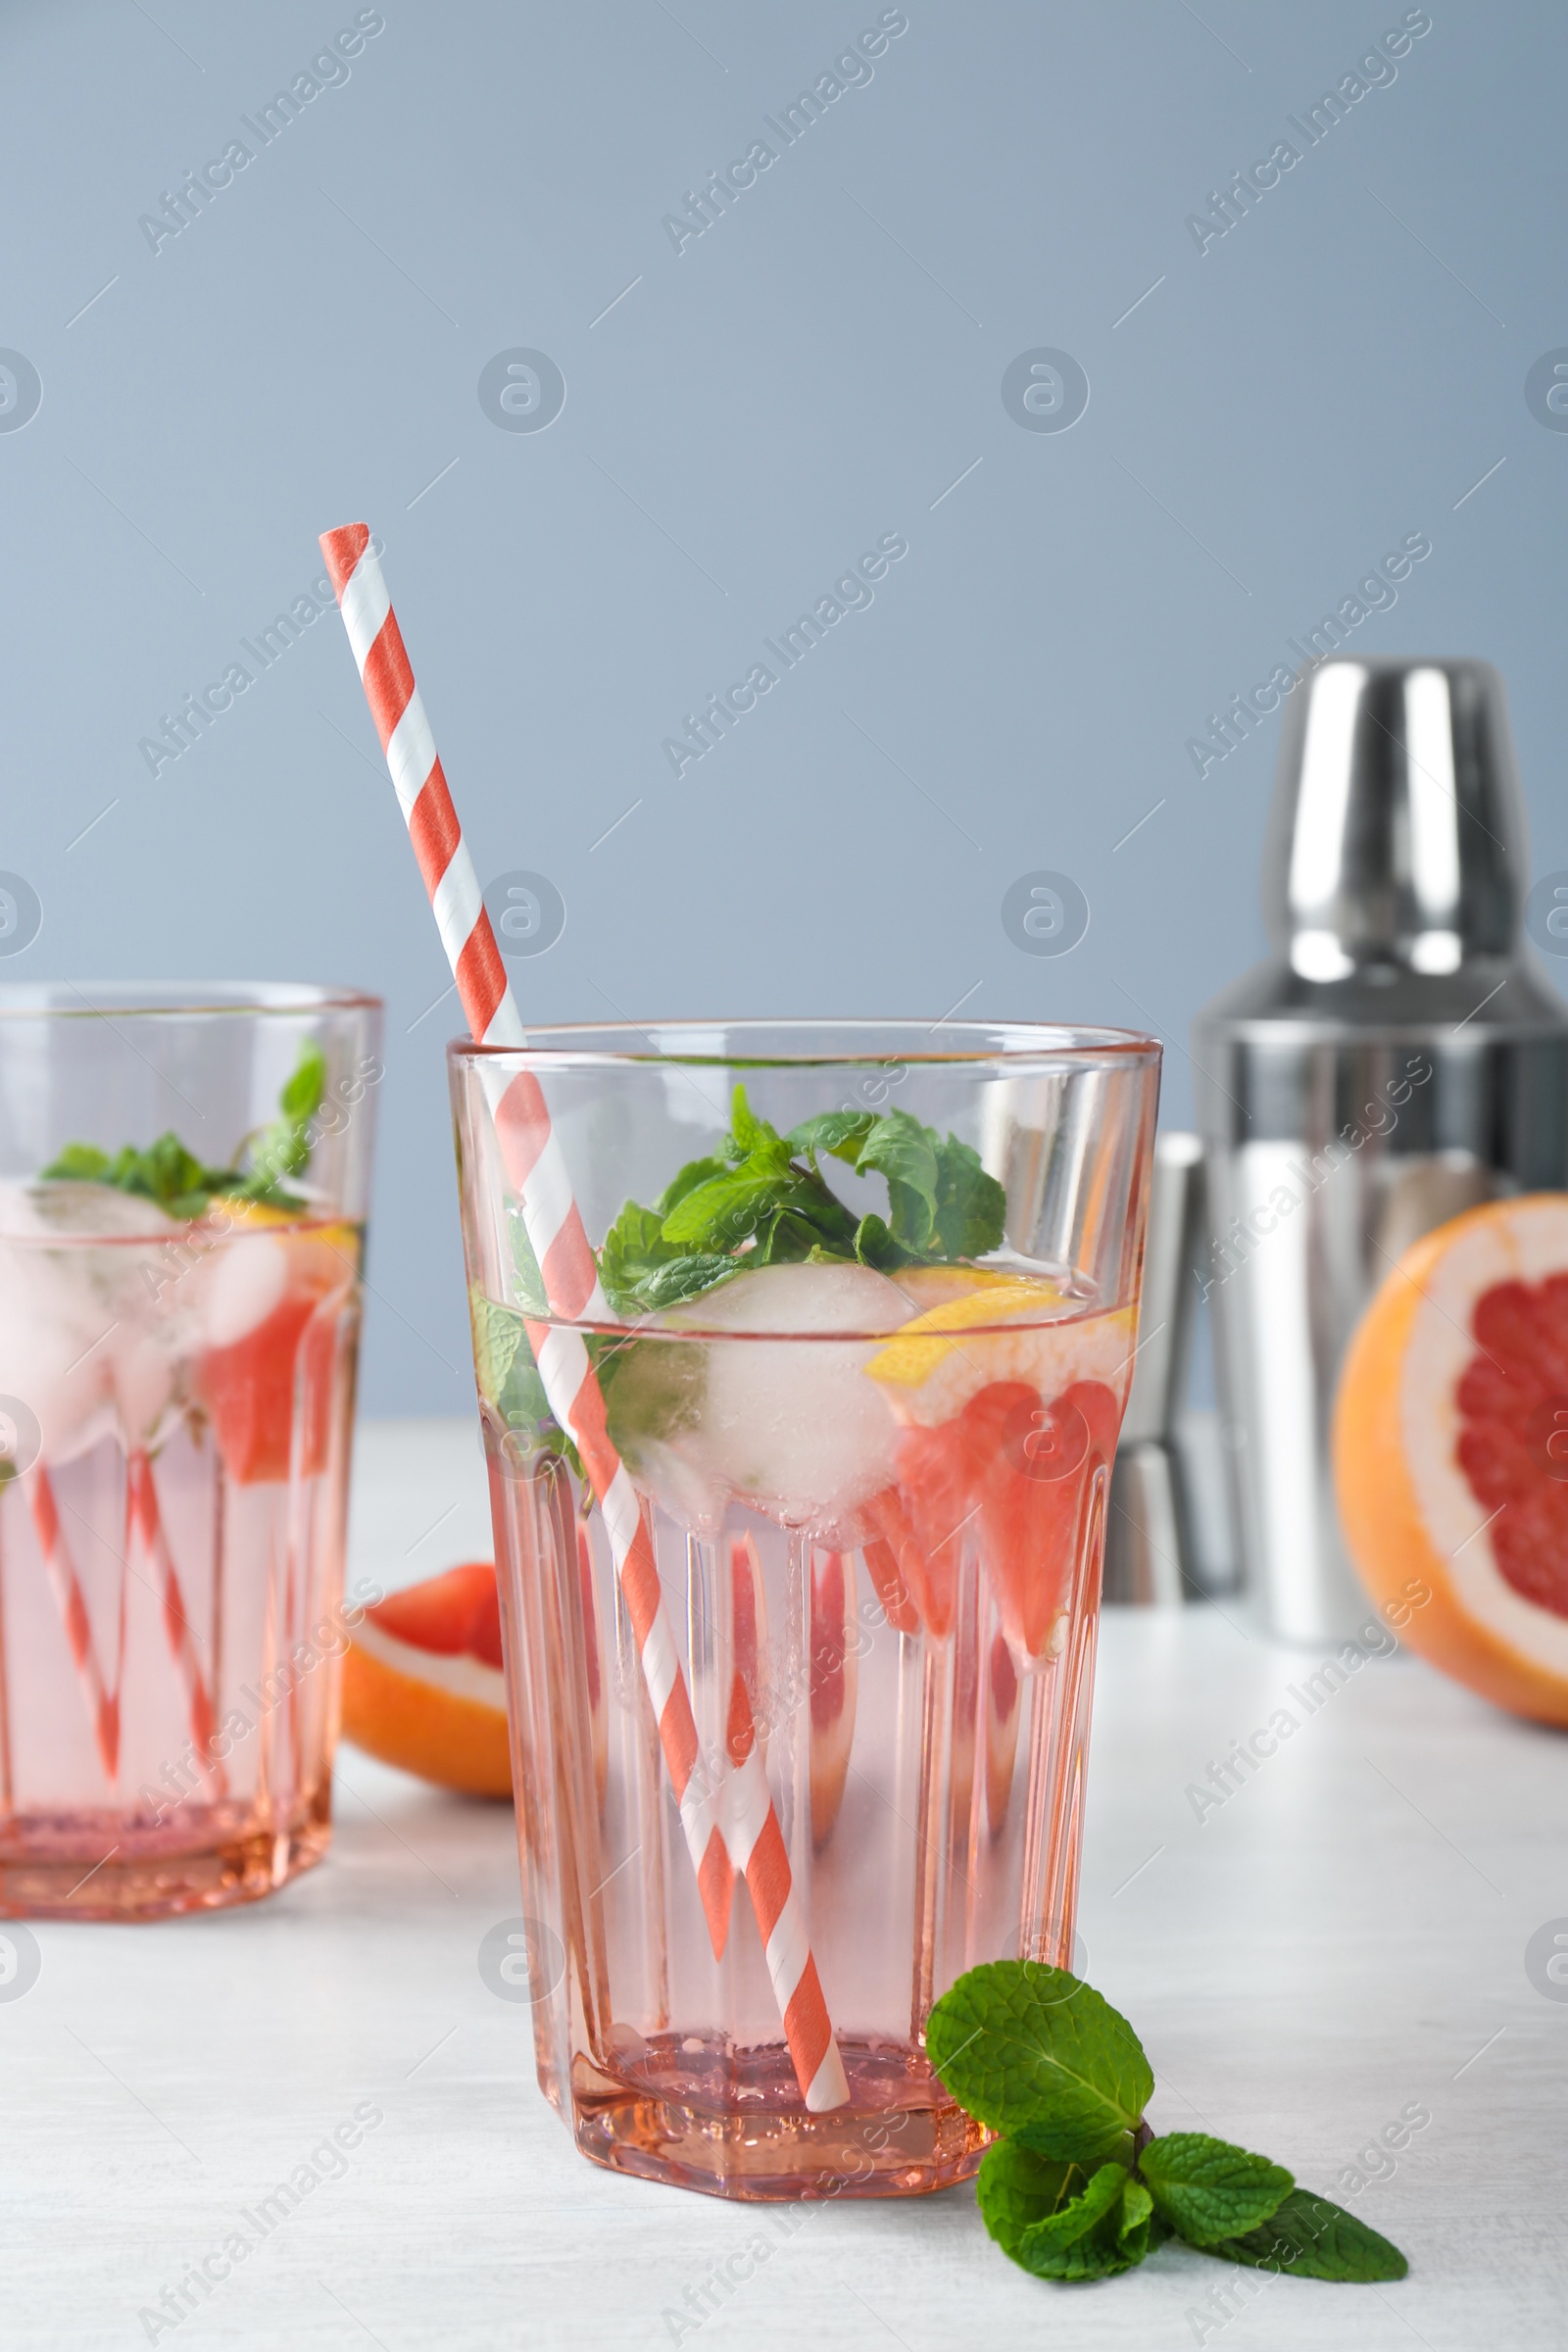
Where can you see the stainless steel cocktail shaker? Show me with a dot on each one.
(1396, 1061)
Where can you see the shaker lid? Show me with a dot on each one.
(1397, 834)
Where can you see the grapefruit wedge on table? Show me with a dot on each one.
(1451, 1447)
(423, 1685)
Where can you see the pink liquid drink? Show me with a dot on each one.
(176, 1374)
(869, 1427)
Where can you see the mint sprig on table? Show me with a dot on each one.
(1079, 2187)
(761, 1200)
(182, 1187)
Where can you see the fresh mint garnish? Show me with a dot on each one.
(1137, 2225)
(1035, 2053)
(1079, 2187)
(761, 1200)
(528, 1282)
(176, 1179)
(728, 1210)
(649, 1386)
(941, 1203)
(498, 1334)
(1208, 2190)
(1058, 2220)
(283, 1149)
(1312, 2237)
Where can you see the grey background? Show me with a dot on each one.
(815, 370)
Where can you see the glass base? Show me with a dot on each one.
(102, 1866)
(898, 2137)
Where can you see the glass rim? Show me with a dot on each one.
(823, 1044)
(176, 1000)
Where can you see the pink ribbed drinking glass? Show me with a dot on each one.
(873, 1484)
(177, 1383)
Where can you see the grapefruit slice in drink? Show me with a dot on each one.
(882, 1556)
(1450, 1452)
(423, 1685)
(997, 1328)
(1036, 1461)
(936, 1479)
(273, 1303)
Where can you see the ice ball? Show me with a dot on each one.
(787, 1417)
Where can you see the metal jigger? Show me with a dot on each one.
(1148, 1543)
(1395, 1063)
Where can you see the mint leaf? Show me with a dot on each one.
(1031, 2051)
(1016, 2190)
(1057, 2231)
(640, 1270)
(173, 1169)
(1312, 2239)
(497, 1336)
(653, 1389)
(525, 1408)
(940, 1199)
(787, 1240)
(1207, 2189)
(1057, 2219)
(78, 1163)
(506, 1375)
(760, 1199)
(825, 1213)
(972, 1209)
(284, 1148)
(875, 1247)
(1035, 2053)
(688, 1178)
(726, 1210)
(509, 1382)
(841, 1132)
(683, 1278)
(633, 1249)
(1139, 2228)
(900, 1148)
(528, 1282)
(301, 1097)
(166, 1172)
(749, 1134)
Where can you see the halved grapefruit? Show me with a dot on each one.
(423, 1685)
(1450, 1452)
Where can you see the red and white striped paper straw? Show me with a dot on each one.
(148, 1519)
(102, 1704)
(735, 1826)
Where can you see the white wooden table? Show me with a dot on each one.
(1342, 1938)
